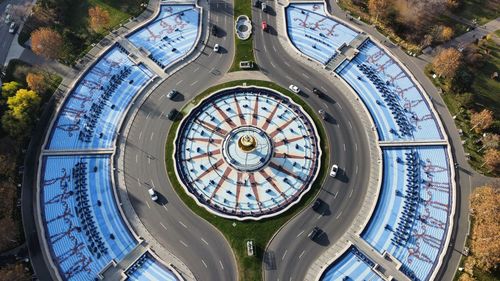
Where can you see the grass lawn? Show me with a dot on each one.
(243, 48)
(482, 10)
(249, 268)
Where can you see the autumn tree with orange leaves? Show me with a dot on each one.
(482, 120)
(491, 159)
(98, 17)
(36, 82)
(485, 234)
(46, 42)
(447, 62)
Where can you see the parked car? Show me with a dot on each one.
(315, 232)
(214, 30)
(216, 48)
(7, 19)
(264, 25)
(322, 114)
(316, 205)
(334, 170)
(263, 6)
(153, 195)
(172, 114)
(12, 27)
(317, 92)
(294, 89)
(257, 3)
(172, 94)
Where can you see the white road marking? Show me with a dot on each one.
(198, 68)
(204, 263)
(288, 77)
(185, 226)
(300, 233)
(350, 193)
(165, 206)
(139, 181)
(274, 48)
(323, 88)
(140, 135)
(356, 169)
(194, 83)
(326, 105)
(356, 146)
(149, 160)
(152, 134)
(339, 106)
(222, 266)
(147, 116)
(306, 76)
(338, 216)
(286, 63)
(153, 184)
(178, 82)
(301, 254)
(335, 195)
(162, 114)
(136, 158)
(350, 125)
(283, 257)
(162, 225)
(183, 243)
(273, 64)
(204, 241)
(344, 147)
(147, 203)
(265, 49)
(162, 96)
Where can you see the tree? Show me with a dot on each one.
(485, 234)
(491, 159)
(446, 33)
(447, 62)
(46, 42)
(378, 8)
(9, 89)
(490, 141)
(36, 82)
(15, 272)
(22, 109)
(482, 120)
(99, 18)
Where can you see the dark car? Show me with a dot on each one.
(214, 30)
(172, 94)
(172, 114)
(315, 232)
(317, 92)
(316, 205)
(257, 3)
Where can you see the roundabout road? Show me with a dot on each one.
(291, 252)
(198, 244)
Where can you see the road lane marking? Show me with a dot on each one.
(323, 88)
(301, 254)
(306, 76)
(286, 63)
(136, 158)
(149, 160)
(300, 233)
(344, 147)
(165, 206)
(184, 243)
(185, 226)
(152, 134)
(147, 116)
(139, 181)
(194, 83)
(350, 193)
(204, 241)
(147, 203)
(335, 195)
(178, 82)
(338, 216)
(204, 263)
(265, 49)
(340, 106)
(273, 64)
(283, 257)
(350, 125)
(162, 96)
(198, 68)
(162, 225)
(288, 77)
(356, 169)
(222, 266)
(356, 146)
(274, 48)
(140, 135)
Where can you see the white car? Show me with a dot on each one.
(334, 170)
(294, 89)
(153, 195)
(216, 48)
(172, 94)
(12, 27)
(7, 19)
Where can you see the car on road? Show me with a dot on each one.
(152, 194)
(172, 114)
(334, 170)
(12, 27)
(172, 94)
(317, 92)
(7, 19)
(214, 30)
(322, 113)
(264, 25)
(7, 8)
(216, 48)
(257, 3)
(294, 88)
(315, 232)
(263, 6)
(316, 205)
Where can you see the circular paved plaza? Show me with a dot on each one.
(247, 153)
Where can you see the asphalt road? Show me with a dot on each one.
(291, 252)
(5, 36)
(190, 238)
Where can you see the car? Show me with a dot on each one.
(294, 89)
(322, 113)
(7, 19)
(12, 27)
(256, 4)
(153, 195)
(315, 232)
(172, 114)
(316, 205)
(216, 48)
(334, 170)
(263, 6)
(214, 30)
(264, 25)
(7, 8)
(317, 92)
(172, 94)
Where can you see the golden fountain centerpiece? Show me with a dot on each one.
(247, 143)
